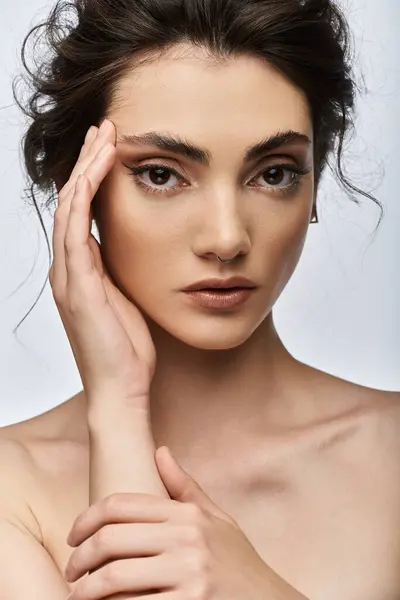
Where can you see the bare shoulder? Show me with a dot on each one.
(384, 417)
(64, 422)
(43, 445)
(372, 414)
(379, 407)
(341, 407)
(16, 480)
(22, 535)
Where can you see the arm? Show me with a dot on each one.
(27, 571)
(122, 452)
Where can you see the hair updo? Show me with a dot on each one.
(73, 85)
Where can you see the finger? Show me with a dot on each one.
(120, 508)
(122, 540)
(96, 253)
(58, 271)
(78, 256)
(93, 143)
(79, 260)
(106, 133)
(129, 575)
(90, 138)
(170, 595)
(153, 595)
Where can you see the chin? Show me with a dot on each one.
(207, 332)
(201, 329)
(212, 342)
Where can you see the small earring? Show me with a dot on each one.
(315, 217)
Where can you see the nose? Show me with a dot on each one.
(223, 227)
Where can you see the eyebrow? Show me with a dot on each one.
(178, 145)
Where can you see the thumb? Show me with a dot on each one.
(181, 486)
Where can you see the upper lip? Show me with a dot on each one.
(241, 282)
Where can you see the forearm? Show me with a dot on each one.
(122, 454)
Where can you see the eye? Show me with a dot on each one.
(159, 175)
(161, 179)
(276, 174)
(156, 178)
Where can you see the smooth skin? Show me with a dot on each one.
(303, 466)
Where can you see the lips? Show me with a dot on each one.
(220, 290)
(225, 299)
(221, 284)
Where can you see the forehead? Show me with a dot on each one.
(188, 92)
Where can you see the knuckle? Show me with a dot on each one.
(197, 564)
(68, 245)
(199, 590)
(72, 247)
(193, 536)
(104, 538)
(75, 304)
(112, 503)
(110, 574)
(194, 513)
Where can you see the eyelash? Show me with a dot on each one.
(289, 189)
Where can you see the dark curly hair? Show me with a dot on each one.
(73, 86)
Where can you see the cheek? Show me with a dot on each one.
(138, 243)
(281, 245)
(130, 247)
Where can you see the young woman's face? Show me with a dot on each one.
(162, 229)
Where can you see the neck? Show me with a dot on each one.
(203, 401)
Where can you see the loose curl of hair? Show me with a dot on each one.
(74, 84)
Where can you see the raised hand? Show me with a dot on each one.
(108, 335)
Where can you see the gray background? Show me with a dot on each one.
(339, 312)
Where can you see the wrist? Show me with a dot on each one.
(113, 410)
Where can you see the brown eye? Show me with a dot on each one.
(273, 178)
(157, 178)
(274, 175)
(159, 175)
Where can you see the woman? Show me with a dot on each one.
(218, 119)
